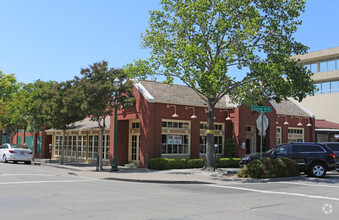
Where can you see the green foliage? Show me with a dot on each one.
(100, 92)
(270, 168)
(195, 163)
(65, 104)
(9, 102)
(202, 42)
(229, 148)
(228, 162)
(165, 163)
(158, 164)
(102, 97)
(130, 165)
(8, 87)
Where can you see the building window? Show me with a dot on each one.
(58, 146)
(82, 142)
(174, 144)
(175, 137)
(327, 87)
(295, 135)
(218, 137)
(175, 124)
(105, 147)
(93, 146)
(135, 124)
(72, 147)
(278, 138)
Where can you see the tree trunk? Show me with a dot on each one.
(63, 146)
(209, 163)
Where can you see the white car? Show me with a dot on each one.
(15, 153)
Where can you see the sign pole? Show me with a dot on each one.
(262, 131)
(261, 110)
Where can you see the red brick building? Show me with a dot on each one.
(170, 121)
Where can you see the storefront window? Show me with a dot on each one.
(174, 144)
(295, 135)
(175, 137)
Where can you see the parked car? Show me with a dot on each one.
(15, 153)
(313, 158)
(334, 146)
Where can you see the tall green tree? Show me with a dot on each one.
(33, 96)
(101, 95)
(9, 103)
(64, 106)
(8, 87)
(205, 43)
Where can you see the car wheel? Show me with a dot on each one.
(27, 162)
(15, 161)
(4, 159)
(318, 170)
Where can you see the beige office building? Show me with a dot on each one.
(325, 66)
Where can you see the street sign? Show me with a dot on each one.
(262, 124)
(261, 109)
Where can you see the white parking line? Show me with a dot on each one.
(50, 181)
(33, 174)
(274, 192)
(310, 184)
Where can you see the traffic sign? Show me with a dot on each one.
(261, 109)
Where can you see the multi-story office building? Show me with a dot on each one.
(325, 66)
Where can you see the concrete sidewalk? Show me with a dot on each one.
(176, 176)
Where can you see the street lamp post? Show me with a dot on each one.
(215, 156)
(116, 84)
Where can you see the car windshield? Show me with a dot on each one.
(19, 146)
(271, 150)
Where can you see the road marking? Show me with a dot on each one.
(12, 174)
(274, 192)
(310, 184)
(51, 181)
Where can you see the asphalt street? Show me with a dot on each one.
(43, 192)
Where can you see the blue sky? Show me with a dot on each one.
(54, 39)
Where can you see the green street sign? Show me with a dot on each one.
(261, 109)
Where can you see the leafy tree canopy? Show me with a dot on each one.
(202, 43)
(8, 86)
(97, 83)
(65, 104)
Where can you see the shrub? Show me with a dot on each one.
(195, 163)
(130, 165)
(165, 163)
(177, 163)
(229, 148)
(158, 163)
(228, 162)
(270, 168)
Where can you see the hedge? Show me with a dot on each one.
(270, 168)
(165, 163)
(228, 162)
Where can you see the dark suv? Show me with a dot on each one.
(334, 146)
(313, 158)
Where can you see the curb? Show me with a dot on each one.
(157, 181)
(279, 179)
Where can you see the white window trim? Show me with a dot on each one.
(188, 133)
